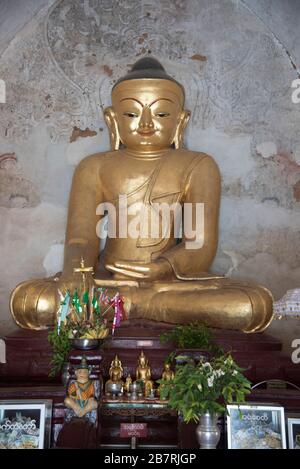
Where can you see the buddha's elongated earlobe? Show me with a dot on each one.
(111, 122)
(182, 123)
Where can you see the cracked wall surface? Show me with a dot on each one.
(237, 60)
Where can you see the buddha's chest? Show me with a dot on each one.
(127, 177)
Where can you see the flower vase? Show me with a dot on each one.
(208, 432)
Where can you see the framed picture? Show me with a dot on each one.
(25, 424)
(294, 432)
(255, 426)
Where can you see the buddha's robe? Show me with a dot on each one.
(189, 293)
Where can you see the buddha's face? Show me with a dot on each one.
(142, 361)
(148, 113)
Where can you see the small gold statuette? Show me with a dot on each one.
(167, 374)
(128, 382)
(81, 392)
(143, 373)
(115, 385)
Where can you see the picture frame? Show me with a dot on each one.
(293, 425)
(25, 424)
(256, 426)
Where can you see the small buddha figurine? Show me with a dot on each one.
(143, 373)
(128, 382)
(167, 374)
(81, 392)
(163, 275)
(115, 374)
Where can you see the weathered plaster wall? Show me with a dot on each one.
(236, 60)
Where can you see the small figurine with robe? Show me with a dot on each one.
(82, 394)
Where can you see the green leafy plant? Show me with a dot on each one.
(205, 387)
(192, 336)
(61, 347)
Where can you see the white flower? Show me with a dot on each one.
(210, 382)
(234, 372)
(219, 373)
(206, 365)
(199, 386)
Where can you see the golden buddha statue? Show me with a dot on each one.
(167, 374)
(128, 382)
(143, 373)
(163, 277)
(115, 374)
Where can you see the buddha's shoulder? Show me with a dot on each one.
(193, 157)
(96, 160)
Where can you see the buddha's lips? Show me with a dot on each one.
(147, 134)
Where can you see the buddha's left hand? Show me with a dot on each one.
(155, 270)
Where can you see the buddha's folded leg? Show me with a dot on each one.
(34, 304)
(235, 305)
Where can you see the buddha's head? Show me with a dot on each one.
(142, 361)
(116, 362)
(147, 112)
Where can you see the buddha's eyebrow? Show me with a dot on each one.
(161, 99)
(132, 99)
(141, 104)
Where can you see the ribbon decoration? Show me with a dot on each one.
(118, 303)
(104, 298)
(76, 303)
(63, 309)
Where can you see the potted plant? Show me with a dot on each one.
(61, 347)
(193, 341)
(200, 393)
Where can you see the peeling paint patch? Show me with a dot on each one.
(201, 58)
(285, 158)
(141, 39)
(107, 70)
(81, 133)
(297, 156)
(271, 199)
(296, 190)
(266, 149)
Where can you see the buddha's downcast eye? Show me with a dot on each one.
(162, 114)
(130, 114)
